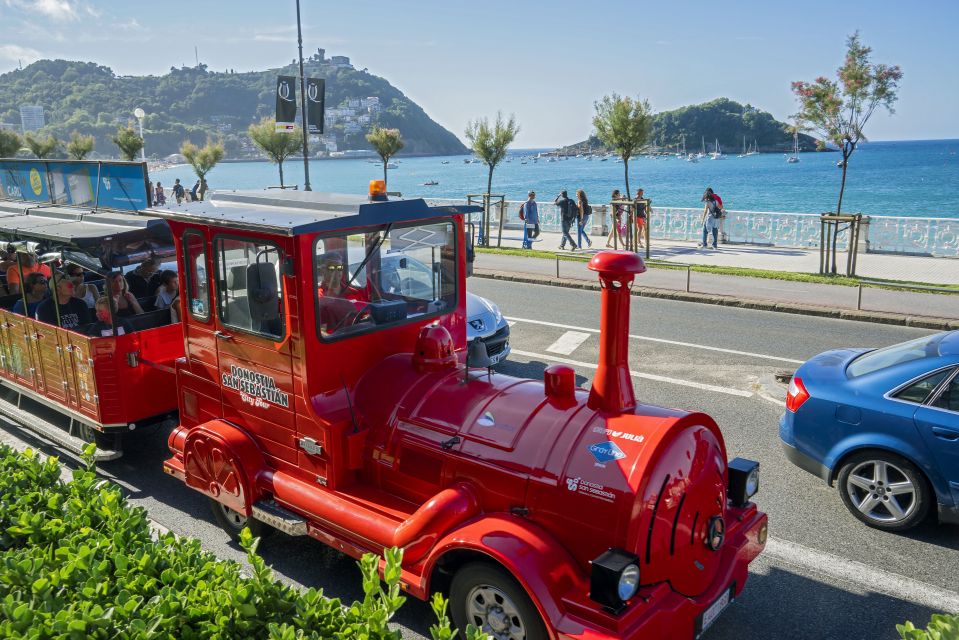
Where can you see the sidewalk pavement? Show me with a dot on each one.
(939, 311)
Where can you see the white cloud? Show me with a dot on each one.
(16, 52)
(130, 24)
(59, 10)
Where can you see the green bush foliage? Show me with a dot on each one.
(941, 627)
(77, 561)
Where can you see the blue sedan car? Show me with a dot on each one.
(883, 425)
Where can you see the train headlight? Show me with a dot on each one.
(743, 481)
(614, 579)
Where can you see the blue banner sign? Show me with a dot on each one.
(114, 185)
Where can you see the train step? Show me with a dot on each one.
(52, 432)
(279, 518)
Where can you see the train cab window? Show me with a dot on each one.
(197, 280)
(249, 288)
(384, 276)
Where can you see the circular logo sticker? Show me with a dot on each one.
(35, 182)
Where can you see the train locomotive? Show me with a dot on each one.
(324, 387)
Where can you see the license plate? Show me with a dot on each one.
(710, 615)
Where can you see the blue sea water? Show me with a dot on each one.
(908, 178)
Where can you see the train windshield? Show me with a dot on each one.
(384, 276)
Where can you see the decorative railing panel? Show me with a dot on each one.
(914, 236)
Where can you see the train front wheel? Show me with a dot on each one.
(486, 596)
(233, 522)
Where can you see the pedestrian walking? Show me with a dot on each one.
(201, 191)
(722, 213)
(567, 212)
(529, 214)
(619, 227)
(641, 216)
(158, 196)
(584, 213)
(710, 221)
(193, 195)
(178, 191)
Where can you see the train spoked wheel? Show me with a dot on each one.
(233, 522)
(488, 597)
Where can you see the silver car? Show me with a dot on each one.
(485, 322)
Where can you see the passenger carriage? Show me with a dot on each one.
(63, 384)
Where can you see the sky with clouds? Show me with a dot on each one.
(545, 61)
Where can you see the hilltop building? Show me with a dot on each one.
(340, 62)
(31, 117)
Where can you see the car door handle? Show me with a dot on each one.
(945, 434)
(222, 336)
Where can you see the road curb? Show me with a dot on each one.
(881, 317)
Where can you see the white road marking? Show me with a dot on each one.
(568, 342)
(662, 341)
(850, 571)
(637, 374)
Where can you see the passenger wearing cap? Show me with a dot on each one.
(72, 313)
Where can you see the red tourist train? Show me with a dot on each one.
(324, 387)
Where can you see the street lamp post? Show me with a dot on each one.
(303, 118)
(140, 114)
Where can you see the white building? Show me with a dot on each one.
(31, 117)
(371, 104)
(340, 62)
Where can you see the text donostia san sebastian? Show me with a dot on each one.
(257, 385)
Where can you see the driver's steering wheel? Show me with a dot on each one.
(362, 315)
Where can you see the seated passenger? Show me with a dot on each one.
(28, 264)
(144, 280)
(103, 326)
(336, 310)
(73, 313)
(36, 291)
(82, 290)
(168, 291)
(126, 303)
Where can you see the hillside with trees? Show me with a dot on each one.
(194, 103)
(722, 119)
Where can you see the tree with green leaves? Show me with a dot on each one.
(489, 142)
(387, 143)
(41, 147)
(80, 145)
(277, 145)
(202, 159)
(838, 111)
(128, 141)
(623, 124)
(10, 143)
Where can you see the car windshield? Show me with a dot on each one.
(871, 361)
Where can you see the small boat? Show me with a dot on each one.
(430, 183)
(445, 162)
(392, 165)
(840, 163)
(794, 158)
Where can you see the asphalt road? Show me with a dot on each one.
(824, 575)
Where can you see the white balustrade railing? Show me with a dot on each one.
(915, 236)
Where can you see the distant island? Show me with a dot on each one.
(193, 103)
(732, 124)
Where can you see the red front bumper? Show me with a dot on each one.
(660, 612)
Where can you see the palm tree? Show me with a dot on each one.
(202, 160)
(387, 143)
(80, 145)
(128, 142)
(41, 148)
(623, 124)
(490, 143)
(277, 145)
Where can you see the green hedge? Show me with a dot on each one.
(79, 562)
(941, 627)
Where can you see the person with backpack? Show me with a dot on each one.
(642, 203)
(722, 217)
(178, 191)
(585, 212)
(529, 214)
(711, 216)
(567, 213)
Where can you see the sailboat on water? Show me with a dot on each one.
(795, 156)
(744, 153)
(717, 152)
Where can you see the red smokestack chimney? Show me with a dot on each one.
(612, 389)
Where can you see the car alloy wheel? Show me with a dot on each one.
(884, 491)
